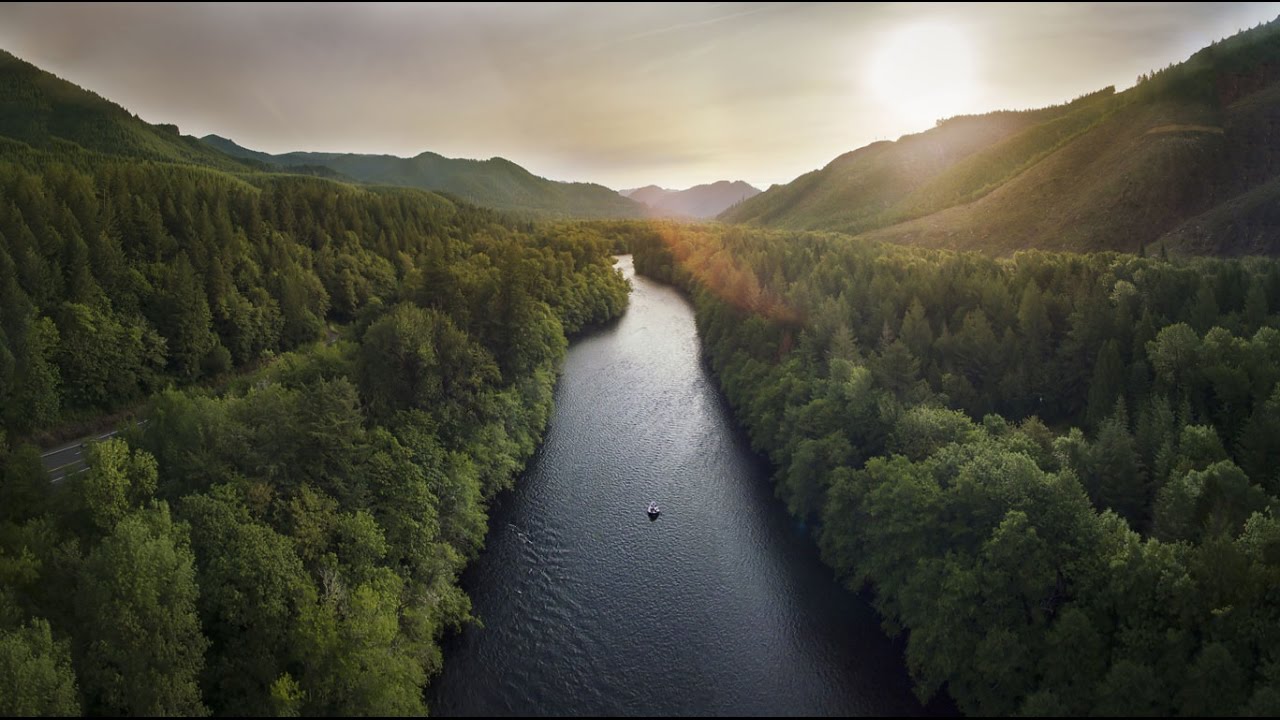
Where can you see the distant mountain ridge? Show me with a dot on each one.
(699, 201)
(1186, 159)
(496, 183)
(49, 114)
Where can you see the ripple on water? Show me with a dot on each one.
(718, 607)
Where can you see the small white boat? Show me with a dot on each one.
(654, 511)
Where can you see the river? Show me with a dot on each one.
(720, 606)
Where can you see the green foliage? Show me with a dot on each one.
(921, 431)
(190, 271)
(117, 481)
(34, 400)
(415, 358)
(311, 562)
(1107, 384)
(1215, 684)
(41, 110)
(1112, 475)
(1207, 503)
(254, 591)
(142, 645)
(1127, 570)
(184, 319)
(24, 484)
(327, 496)
(35, 673)
(1131, 689)
(359, 662)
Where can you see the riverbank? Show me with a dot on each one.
(721, 606)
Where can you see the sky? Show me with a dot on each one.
(625, 95)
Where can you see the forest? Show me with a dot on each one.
(336, 381)
(1056, 474)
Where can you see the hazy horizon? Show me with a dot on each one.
(626, 96)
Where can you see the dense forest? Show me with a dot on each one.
(291, 543)
(335, 380)
(1056, 473)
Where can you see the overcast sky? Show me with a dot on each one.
(624, 95)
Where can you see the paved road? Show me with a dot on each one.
(70, 459)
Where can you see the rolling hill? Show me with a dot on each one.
(47, 113)
(699, 201)
(1185, 159)
(495, 183)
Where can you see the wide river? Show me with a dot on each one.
(721, 606)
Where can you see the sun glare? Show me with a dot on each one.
(924, 72)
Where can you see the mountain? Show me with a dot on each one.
(699, 201)
(649, 194)
(495, 183)
(1185, 159)
(43, 111)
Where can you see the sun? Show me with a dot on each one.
(922, 72)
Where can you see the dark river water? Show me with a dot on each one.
(719, 607)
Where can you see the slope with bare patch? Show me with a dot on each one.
(853, 191)
(1117, 187)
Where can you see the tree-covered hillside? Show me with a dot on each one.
(1057, 473)
(43, 111)
(496, 182)
(288, 543)
(1184, 159)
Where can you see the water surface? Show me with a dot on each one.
(721, 606)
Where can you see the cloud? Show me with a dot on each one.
(622, 94)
